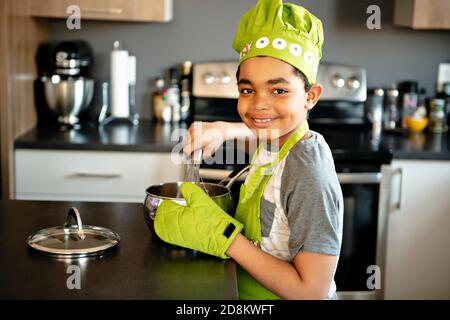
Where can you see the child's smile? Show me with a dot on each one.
(263, 122)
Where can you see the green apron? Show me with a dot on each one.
(248, 212)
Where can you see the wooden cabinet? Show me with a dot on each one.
(116, 10)
(422, 14)
(19, 39)
(91, 175)
(417, 251)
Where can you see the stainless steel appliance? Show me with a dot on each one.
(361, 161)
(64, 88)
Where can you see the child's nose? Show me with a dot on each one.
(260, 103)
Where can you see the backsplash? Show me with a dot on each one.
(204, 30)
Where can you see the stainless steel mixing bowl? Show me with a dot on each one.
(68, 97)
(218, 192)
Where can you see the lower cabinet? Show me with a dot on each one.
(418, 237)
(107, 176)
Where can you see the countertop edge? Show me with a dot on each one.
(93, 147)
(404, 155)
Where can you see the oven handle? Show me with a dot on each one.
(359, 177)
(218, 174)
(344, 178)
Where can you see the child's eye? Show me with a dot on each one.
(246, 91)
(279, 91)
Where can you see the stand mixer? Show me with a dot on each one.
(64, 86)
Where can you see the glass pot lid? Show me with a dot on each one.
(73, 240)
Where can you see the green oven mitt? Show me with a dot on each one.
(199, 225)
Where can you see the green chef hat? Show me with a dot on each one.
(284, 31)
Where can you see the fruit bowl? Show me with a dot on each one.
(416, 124)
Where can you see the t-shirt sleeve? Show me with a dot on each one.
(312, 200)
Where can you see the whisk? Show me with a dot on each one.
(192, 169)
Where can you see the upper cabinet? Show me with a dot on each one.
(113, 10)
(422, 14)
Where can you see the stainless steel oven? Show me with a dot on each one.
(362, 164)
(365, 190)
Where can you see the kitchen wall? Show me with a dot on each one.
(204, 29)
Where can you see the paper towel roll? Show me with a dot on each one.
(120, 105)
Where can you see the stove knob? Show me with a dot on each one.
(208, 79)
(225, 78)
(353, 83)
(338, 81)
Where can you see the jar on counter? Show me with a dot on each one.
(438, 119)
(445, 94)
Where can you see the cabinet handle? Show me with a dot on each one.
(96, 175)
(102, 10)
(398, 171)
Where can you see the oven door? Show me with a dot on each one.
(361, 192)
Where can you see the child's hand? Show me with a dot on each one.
(209, 136)
(200, 225)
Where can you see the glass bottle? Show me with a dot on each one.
(158, 102)
(172, 95)
(392, 115)
(374, 109)
(185, 108)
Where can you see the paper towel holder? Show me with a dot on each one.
(119, 96)
(105, 115)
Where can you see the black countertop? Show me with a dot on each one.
(418, 146)
(147, 136)
(397, 145)
(155, 137)
(139, 268)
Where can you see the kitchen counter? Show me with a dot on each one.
(139, 268)
(418, 146)
(117, 136)
(155, 137)
(354, 144)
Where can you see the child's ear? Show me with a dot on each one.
(313, 95)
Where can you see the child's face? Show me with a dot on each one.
(272, 99)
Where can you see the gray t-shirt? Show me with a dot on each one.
(302, 204)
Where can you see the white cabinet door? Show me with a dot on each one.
(418, 242)
(91, 175)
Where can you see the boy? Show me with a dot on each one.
(290, 207)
